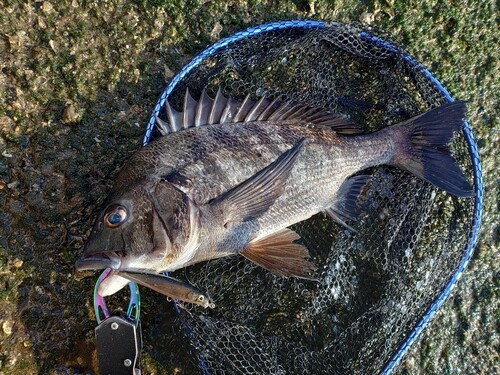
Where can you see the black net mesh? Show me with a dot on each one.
(375, 284)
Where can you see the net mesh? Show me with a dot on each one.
(375, 284)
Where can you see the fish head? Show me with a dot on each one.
(134, 230)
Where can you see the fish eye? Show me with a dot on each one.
(201, 298)
(115, 217)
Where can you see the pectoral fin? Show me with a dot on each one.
(278, 254)
(253, 197)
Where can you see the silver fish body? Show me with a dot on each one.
(234, 185)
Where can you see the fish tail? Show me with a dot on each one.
(422, 147)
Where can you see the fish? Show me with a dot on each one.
(169, 287)
(229, 177)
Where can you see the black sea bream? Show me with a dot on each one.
(230, 177)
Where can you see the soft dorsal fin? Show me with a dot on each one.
(221, 109)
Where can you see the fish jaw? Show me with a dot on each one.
(120, 260)
(98, 261)
(113, 283)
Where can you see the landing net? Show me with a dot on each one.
(379, 287)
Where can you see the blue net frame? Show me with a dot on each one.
(424, 320)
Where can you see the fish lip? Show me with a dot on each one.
(98, 261)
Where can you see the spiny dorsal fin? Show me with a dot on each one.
(207, 111)
(188, 114)
(243, 109)
(174, 118)
(218, 106)
(202, 109)
(279, 254)
(162, 126)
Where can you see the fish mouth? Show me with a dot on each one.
(99, 261)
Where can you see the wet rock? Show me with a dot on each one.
(69, 114)
(7, 327)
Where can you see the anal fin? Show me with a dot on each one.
(279, 254)
(346, 204)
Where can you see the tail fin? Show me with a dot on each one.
(422, 148)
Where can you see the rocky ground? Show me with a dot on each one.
(77, 84)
